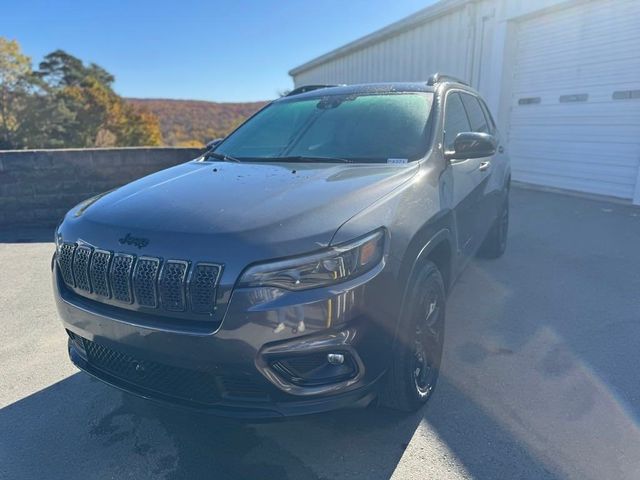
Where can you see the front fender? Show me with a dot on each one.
(441, 238)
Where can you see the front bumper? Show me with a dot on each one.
(236, 361)
(360, 397)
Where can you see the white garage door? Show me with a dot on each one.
(575, 106)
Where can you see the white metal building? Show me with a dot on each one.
(562, 77)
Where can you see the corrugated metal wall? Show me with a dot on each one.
(442, 44)
(509, 49)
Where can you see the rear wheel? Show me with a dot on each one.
(495, 243)
(418, 352)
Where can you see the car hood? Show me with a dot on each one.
(233, 211)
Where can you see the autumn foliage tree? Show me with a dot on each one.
(193, 123)
(15, 87)
(65, 103)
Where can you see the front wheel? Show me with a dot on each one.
(417, 355)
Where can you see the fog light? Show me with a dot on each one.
(335, 358)
(317, 368)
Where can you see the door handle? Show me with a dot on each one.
(500, 149)
(484, 166)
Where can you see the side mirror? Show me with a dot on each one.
(213, 144)
(472, 145)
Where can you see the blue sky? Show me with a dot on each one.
(209, 50)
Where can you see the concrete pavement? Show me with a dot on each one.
(539, 377)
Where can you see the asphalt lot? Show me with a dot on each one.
(539, 378)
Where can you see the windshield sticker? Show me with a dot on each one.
(397, 161)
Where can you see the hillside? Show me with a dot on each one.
(193, 122)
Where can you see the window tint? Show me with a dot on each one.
(455, 120)
(476, 115)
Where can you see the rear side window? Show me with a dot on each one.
(476, 115)
(455, 120)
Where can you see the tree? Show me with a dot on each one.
(100, 117)
(15, 86)
(100, 74)
(65, 103)
(46, 123)
(139, 127)
(60, 69)
(91, 104)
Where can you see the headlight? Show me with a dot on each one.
(321, 269)
(57, 239)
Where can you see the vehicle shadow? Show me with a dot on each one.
(79, 428)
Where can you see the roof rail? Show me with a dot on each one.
(307, 88)
(443, 77)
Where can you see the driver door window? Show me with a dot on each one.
(455, 120)
(476, 115)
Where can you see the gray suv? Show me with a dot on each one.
(301, 264)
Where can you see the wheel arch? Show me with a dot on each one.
(434, 241)
(426, 245)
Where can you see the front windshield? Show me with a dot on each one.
(358, 128)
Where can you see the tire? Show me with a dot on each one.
(417, 355)
(495, 243)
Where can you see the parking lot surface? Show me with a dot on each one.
(539, 380)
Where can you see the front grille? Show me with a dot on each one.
(81, 268)
(121, 268)
(172, 280)
(65, 260)
(242, 387)
(203, 287)
(191, 385)
(147, 282)
(99, 272)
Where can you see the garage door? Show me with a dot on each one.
(575, 106)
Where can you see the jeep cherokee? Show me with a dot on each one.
(301, 264)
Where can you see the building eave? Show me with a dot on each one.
(425, 15)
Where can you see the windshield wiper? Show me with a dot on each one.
(304, 158)
(220, 156)
(293, 158)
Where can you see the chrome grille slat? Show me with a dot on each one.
(172, 285)
(81, 261)
(145, 280)
(120, 277)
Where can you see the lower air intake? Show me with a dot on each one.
(190, 385)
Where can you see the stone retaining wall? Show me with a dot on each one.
(37, 187)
